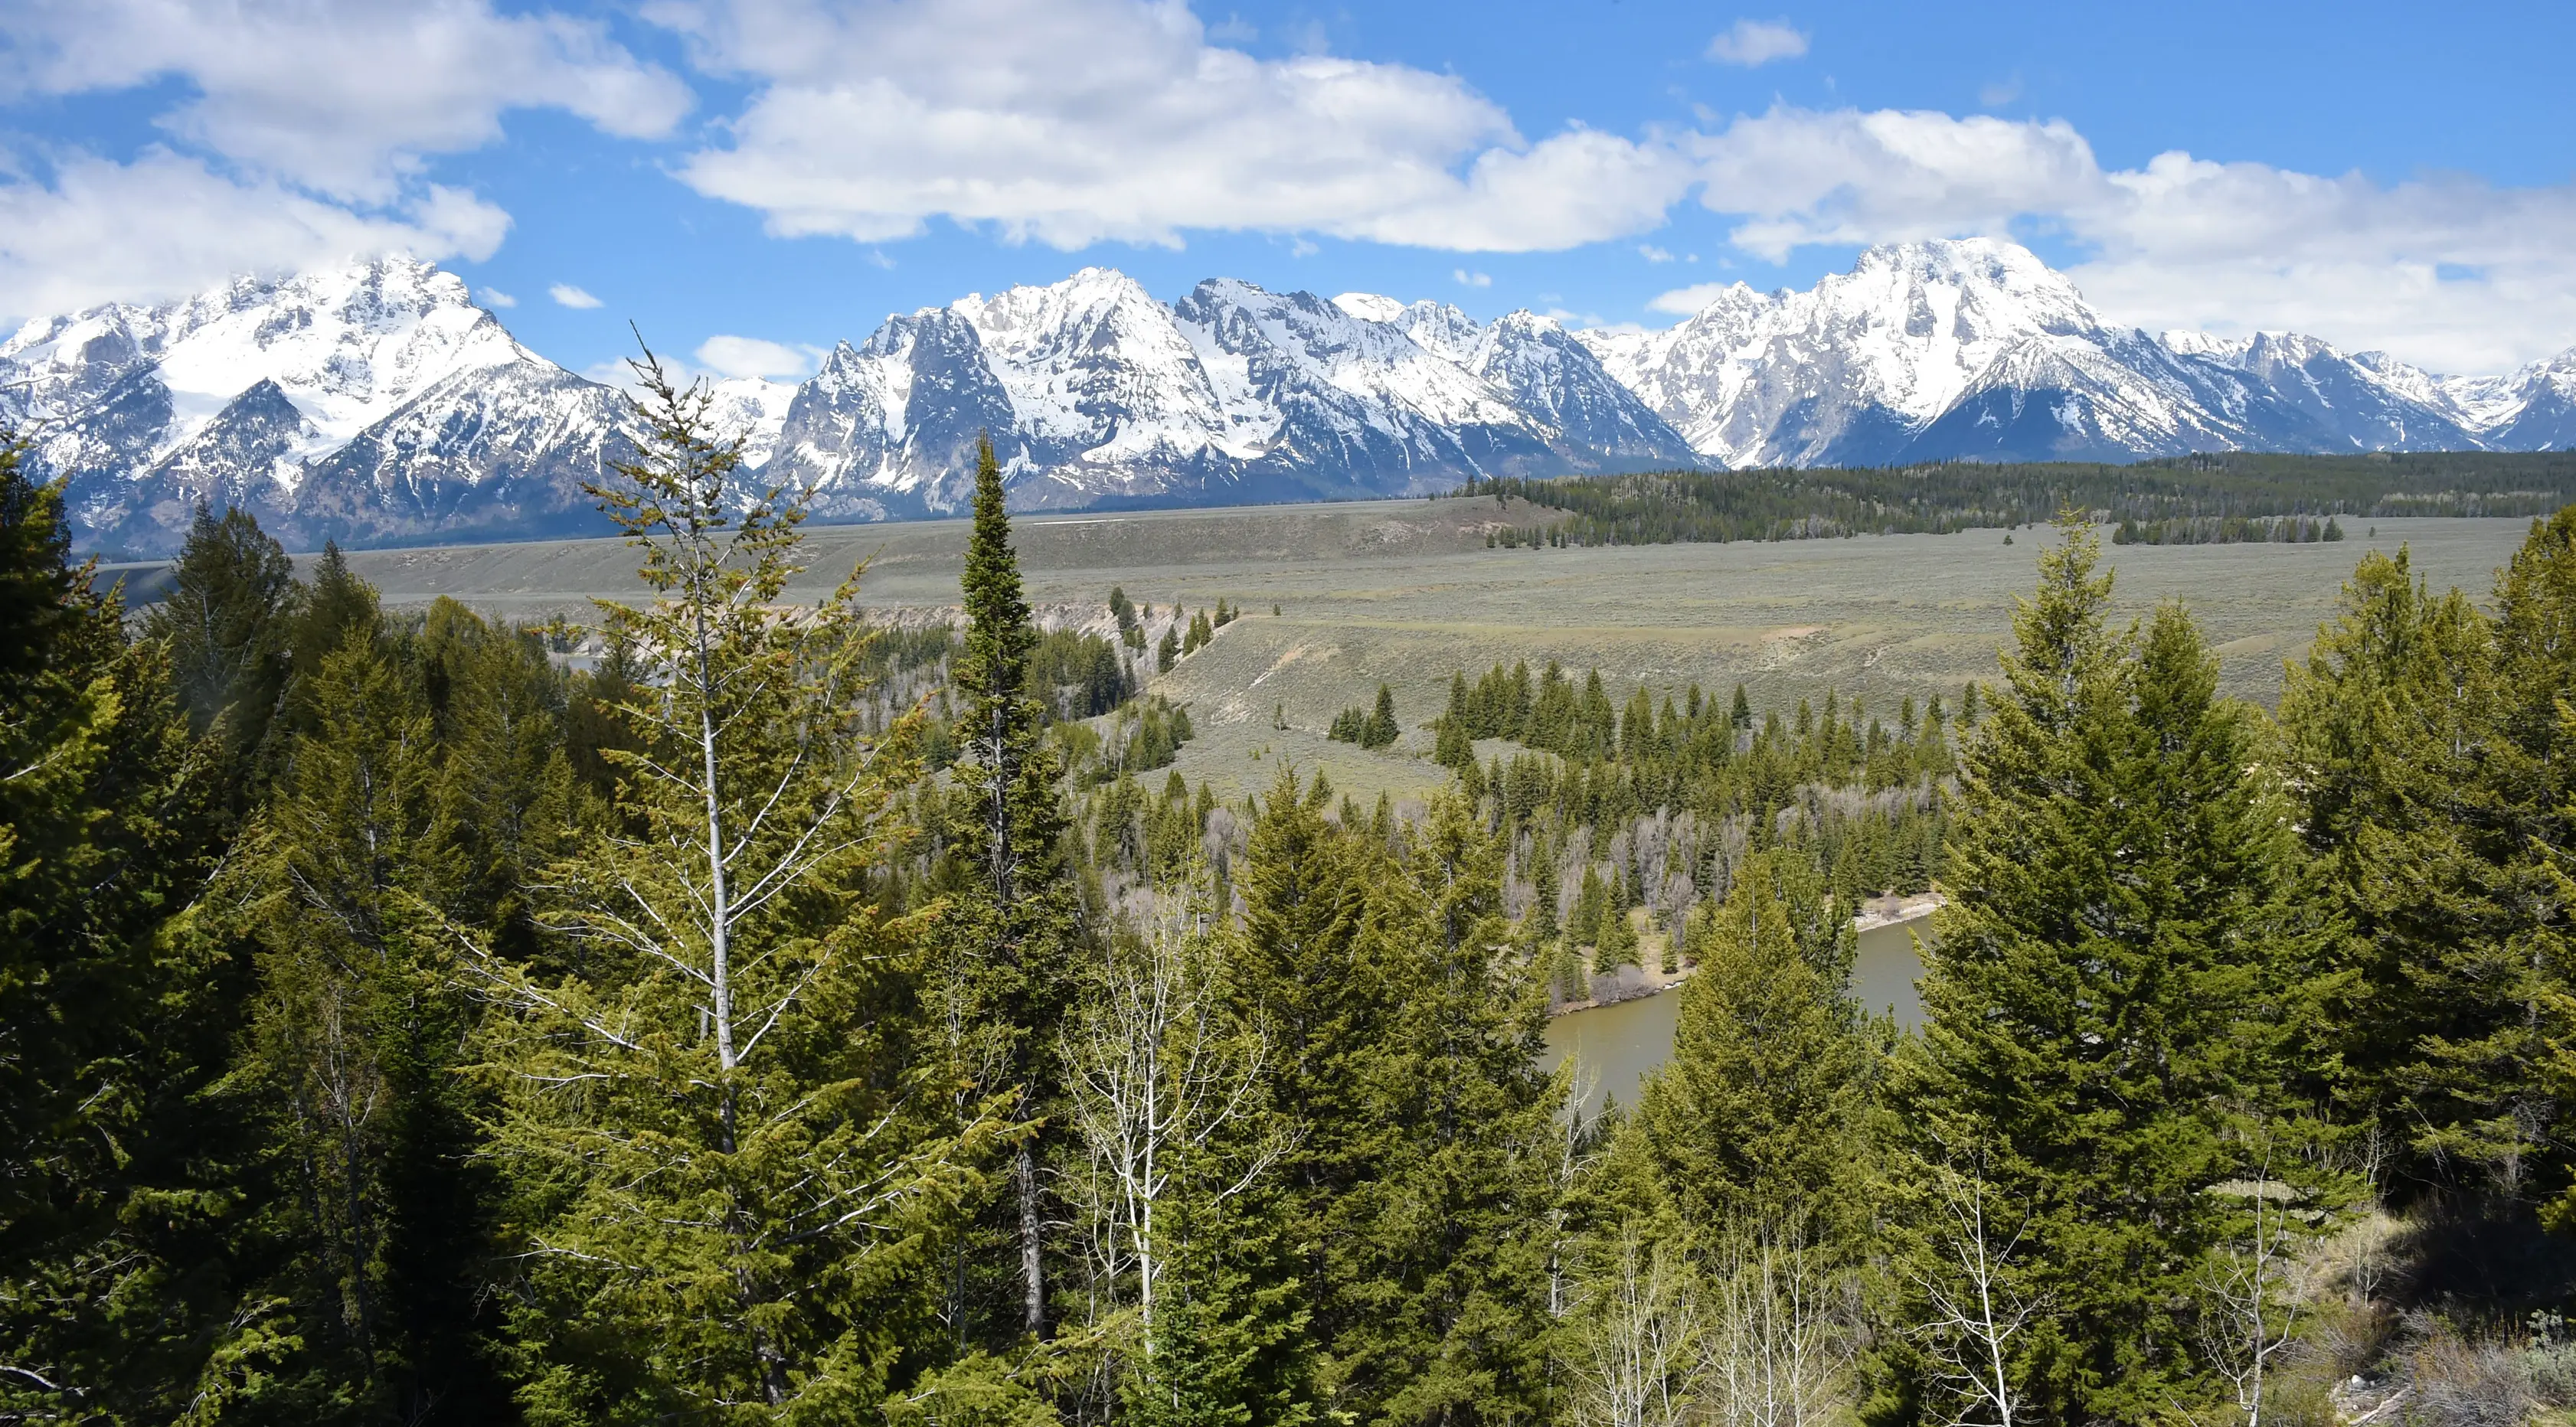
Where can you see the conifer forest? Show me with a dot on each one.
(788, 1017)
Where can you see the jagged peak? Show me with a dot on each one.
(2188, 342)
(1521, 319)
(1371, 306)
(1978, 257)
(1085, 290)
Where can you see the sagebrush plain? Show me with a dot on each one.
(1406, 592)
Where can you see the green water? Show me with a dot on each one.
(1619, 1045)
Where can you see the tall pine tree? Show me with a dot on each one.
(1443, 1242)
(2123, 933)
(119, 1172)
(225, 623)
(1016, 923)
(1758, 1114)
(352, 1054)
(718, 1113)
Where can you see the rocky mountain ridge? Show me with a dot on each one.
(378, 405)
(1975, 349)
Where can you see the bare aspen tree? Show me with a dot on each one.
(1638, 1359)
(1577, 1078)
(1976, 1308)
(1782, 1333)
(1159, 1067)
(2249, 1306)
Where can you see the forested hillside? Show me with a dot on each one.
(795, 1020)
(2230, 496)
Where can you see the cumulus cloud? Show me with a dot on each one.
(1683, 301)
(1757, 42)
(343, 100)
(296, 134)
(567, 295)
(2452, 272)
(1849, 176)
(753, 357)
(1467, 279)
(495, 297)
(165, 225)
(1069, 122)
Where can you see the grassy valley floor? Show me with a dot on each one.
(1405, 592)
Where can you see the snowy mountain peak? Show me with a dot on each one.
(1995, 262)
(376, 403)
(2185, 343)
(344, 345)
(238, 394)
(1976, 348)
(1370, 306)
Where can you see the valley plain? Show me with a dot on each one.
(1406, 592)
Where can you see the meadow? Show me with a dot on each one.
(1405, 592)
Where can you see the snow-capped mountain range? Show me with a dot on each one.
(376, 404)
(1976, 349)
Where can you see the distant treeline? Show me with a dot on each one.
(1661, 507)
(2228, 530)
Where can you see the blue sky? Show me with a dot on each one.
(787, 172)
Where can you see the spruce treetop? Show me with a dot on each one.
(998, 633)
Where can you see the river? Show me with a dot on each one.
(1622, 1043)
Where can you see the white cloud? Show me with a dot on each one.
(752, 357)
(2451, 272)
(1999, 93)
(1849, 176)
(1075, 121)
(1757, 42)
(1653, 254)
(567, 295)
(165, 225)
(297, 133)
(495, 297)
(1468, 279)
(343, 100)
(1683, 301)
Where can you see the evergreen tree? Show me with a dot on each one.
(2483, 1097)
(505, 795)
(1307, 977)
(351, 1056)
(2432, 750)
(1447, 1240)
(1381, 729)
(720, 1117)
(2124, 937)
(225, 622)
(1016, 923)
(119, 1175)
(1758, 1113)
(1455, 747)
(330, 607)
(2392, 723)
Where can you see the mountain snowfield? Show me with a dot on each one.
(377, 405)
